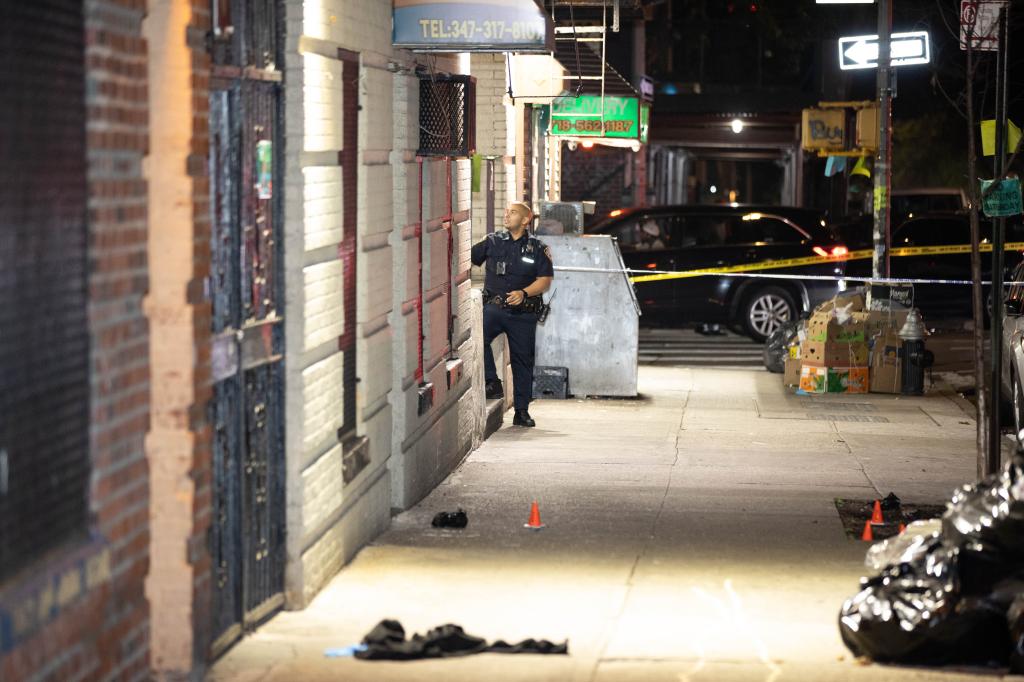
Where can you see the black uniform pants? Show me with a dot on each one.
(521, 331)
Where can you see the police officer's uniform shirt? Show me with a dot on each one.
(512, 264)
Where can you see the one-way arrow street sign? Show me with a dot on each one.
(861, 52)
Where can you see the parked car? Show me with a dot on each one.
(1013, 351)
(906, 203)
(936, 301)
(689, 237)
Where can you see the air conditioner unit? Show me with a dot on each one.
(560, 217)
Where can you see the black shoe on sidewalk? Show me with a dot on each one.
(523, 418)
(494, 389)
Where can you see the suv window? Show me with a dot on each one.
(764, 229)
(932, 232)
(709, 230)
(650, 233)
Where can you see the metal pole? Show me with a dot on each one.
(880, 235)
(993, 458)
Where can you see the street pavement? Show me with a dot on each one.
(691, 536)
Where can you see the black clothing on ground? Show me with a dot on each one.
(386, 641)
(455, 519)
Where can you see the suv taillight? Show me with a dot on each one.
(836, 252)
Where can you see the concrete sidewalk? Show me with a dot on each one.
(692, 535)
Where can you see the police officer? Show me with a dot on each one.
(518, 271)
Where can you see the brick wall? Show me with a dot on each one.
(92, 594)
(598, 174)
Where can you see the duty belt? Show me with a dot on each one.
(530, 305)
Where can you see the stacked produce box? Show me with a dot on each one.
(845, 347)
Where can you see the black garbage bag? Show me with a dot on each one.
(776, 346)
(914, 613)
(1015, 621)
(986, 522)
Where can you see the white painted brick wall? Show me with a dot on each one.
(436, 264)
(435, 326)
(375, 357)
(411, 274)
(321, 489)
(321, 95)
(376, 91)
(376, 199)
(374, 294)
(324, 312)
(323, 397)
(409, 352)
(322, 207)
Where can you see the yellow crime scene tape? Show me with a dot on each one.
(817, 260)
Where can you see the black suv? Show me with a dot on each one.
(691, 237)
(936, 301)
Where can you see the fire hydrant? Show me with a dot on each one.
(914, 357)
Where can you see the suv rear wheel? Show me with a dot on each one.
(766, 310)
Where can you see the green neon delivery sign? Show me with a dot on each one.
(623, 117)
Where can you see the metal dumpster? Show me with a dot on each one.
(594, 322)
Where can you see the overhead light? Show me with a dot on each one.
(752, 216)
(587, 144)
(713, 189)
(616, 213)
(737, 126)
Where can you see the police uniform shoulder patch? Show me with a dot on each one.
(547, 252)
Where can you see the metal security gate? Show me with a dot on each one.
(44, 335)
(247, 538)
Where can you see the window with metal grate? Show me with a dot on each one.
(44, 337)
(447, 115)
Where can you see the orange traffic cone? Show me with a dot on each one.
(876, 515)
(534, 523)
(867, 535)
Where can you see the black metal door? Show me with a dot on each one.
(248, 527)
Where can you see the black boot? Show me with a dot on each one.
(494, 389)
(523, 418)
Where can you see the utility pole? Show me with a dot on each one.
(883, 172)
(993, 458)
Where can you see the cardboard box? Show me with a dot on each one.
(886, 374)
(823, 326)
(847, 380)
(813, 379)
(823, 129)
(831, 354)
(841, 301)
(881, 321)
(791, 377)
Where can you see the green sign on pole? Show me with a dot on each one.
(584, 116)
(1004, 200)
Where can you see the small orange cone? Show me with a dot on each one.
(534, 523)
(876, 515)
(867, 535)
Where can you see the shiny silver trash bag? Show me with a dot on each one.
(948, 600)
